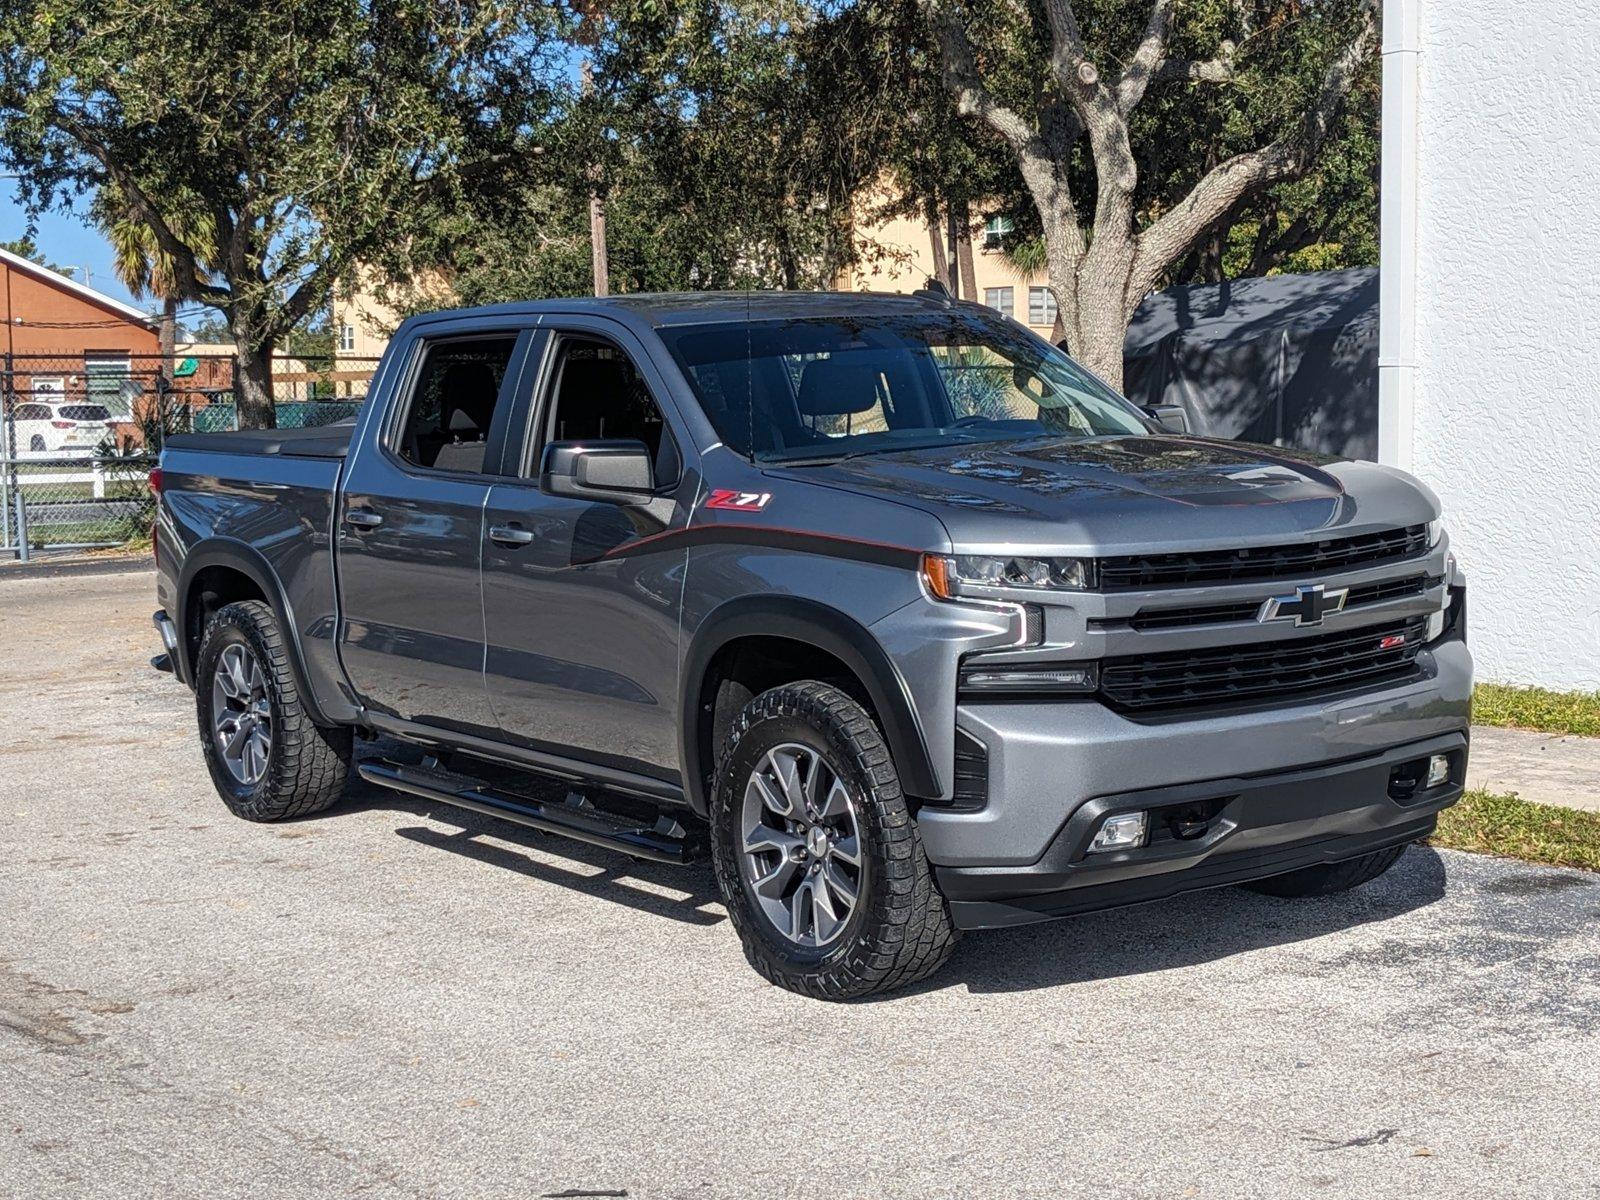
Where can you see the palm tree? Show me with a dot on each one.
(141, 264)
(145, 269)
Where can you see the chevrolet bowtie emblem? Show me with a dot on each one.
(1307, 606)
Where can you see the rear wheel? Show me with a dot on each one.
(267, 758)
(817, 857)
(1328, 878)
(36, 444)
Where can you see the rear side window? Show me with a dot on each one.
(452, 406)
(84, 412)
(32, 412)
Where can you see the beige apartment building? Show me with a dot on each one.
(901, 260)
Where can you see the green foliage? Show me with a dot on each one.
(1486, 823)
(1537, 708)
(298, 137)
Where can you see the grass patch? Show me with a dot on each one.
(1507, 827)
(1536, 708)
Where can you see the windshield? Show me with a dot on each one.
(792, 390)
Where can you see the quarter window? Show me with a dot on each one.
(453, 403)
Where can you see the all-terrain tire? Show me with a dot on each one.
(900, 930)
(1328, 878)
(307, 763)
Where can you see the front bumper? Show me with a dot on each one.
(1252, 828)
(1290, 787)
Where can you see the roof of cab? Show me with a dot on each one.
(686, 308)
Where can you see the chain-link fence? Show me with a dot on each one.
(79, 433)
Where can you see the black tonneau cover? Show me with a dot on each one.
(322, 441)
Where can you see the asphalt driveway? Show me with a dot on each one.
(395, 1000)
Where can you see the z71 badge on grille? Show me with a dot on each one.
(738, 501)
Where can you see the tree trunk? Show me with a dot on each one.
(961, 216)
(169, 337)
(941, 264)
(252, 385)
(1101, 331)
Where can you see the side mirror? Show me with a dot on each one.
(1170, 417)
(619, 471)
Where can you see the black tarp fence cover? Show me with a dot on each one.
(1288, 360)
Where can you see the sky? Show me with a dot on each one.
(66, 240)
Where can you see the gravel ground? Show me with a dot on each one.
(393, 1000)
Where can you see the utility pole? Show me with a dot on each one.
(597, 208)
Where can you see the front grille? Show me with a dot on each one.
(1245, 610)
(1302, 559)
(1222, 675)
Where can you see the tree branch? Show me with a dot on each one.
(1164, 242)
(1148, 59)
(962, 80)
(1212, 70)
(192, 280)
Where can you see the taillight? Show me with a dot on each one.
(65, 424)
(155, 480)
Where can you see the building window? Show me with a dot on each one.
(347, 338)
(995, 230)
(1041, 306)
(1000, 298)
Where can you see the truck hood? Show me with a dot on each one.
(1130, 494)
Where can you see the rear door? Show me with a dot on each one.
(410, 528)
(581, 597)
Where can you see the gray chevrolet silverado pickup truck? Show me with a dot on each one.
(885, 605)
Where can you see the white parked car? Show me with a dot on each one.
(66, 428)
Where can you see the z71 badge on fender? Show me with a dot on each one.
(738, 501)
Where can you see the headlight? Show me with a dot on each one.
(1435, 532)
(952, 575)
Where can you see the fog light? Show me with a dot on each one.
(1121, 832)
(1438, 770)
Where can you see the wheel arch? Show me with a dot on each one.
(226, 558)
(817, 626)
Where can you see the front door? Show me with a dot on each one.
(581, 597)
(410, 534)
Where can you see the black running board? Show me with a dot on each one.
(667, 841)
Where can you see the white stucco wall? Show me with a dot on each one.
(1506, 409)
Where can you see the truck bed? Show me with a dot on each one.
(322, 441)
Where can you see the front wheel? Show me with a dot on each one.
(267, 758)
(1326, 879)
(817, 858)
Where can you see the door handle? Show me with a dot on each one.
(510, 535)
(363, 518)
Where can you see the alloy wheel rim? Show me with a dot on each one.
(800, 845)
(241, 714)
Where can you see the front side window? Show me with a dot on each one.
(453, 403)
(791, 390)
(598, 394)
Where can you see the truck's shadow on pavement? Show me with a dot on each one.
(1145, 939)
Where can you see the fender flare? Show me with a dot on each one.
(252, 564)
(828, 629)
